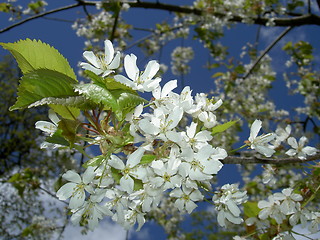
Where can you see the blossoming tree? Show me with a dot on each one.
(158, 150)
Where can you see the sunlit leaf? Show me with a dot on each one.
(40, 84)
(222, 127)
(33, 55)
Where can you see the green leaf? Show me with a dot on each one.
(251, 209)
(148, 158)
(116, 174)
(57, 138)
(94, 162)
(138, 184)
(40, 84)
(5, 7)
(98, 95)
(66, 112)
(222, 127)
(69, 129)
(79, 102)
(127, 102)
(33, 55)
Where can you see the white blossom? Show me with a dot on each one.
(75, 189)
(260, 143)
(299, 149)
(186, 198)
(103, 66)
(226, 201)
(142, 82)
(129, 170)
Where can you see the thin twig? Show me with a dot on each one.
(41, 15)
(266, 51)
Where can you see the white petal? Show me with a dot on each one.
(309, 150)
(116, 162)
(168, 87)
(45, 126)
(268, 152)
(89, 67)
(108, 51)
(125, 81)
(151, 70)
(303, 140)
(88, 175)
(77, 199)
(89, 55)
(130, 66)
(72, 176)
(127, 184)
(293, 142)
(115, 62)
(234, 209)
(174, 117)
(190, 206)
(191, 130)
(53, 117)
(135, 157)
(291, 152)
(254, 130)
(179, 203)
(66, 191)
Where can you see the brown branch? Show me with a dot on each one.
(308, 19)
(267, 50)
(41, 15)
(276, 161)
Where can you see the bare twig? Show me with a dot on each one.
(266, 51)
(276, 161)
(40, 15)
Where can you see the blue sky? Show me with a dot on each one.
(63, 37)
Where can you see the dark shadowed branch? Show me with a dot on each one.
(276, 161)
(298, 20)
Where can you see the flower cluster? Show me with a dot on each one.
(163, 156)
(261, 143)
(157, 148)
(285, 207)
(227, 201)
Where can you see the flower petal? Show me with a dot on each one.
(254, 130)
(72, 176)
(91, 58)
(108, 51)
(130, 66)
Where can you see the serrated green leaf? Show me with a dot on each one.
(148, 158)
(66, 112)
(74, 101)
(94, 162)
(98, 95)
(251, 209)
(222, 127)
(126, 102)
(40, 84)
(32, 55)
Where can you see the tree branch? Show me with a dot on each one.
(308, 19)
(41, 15)
(276, 161)
(267, 50)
